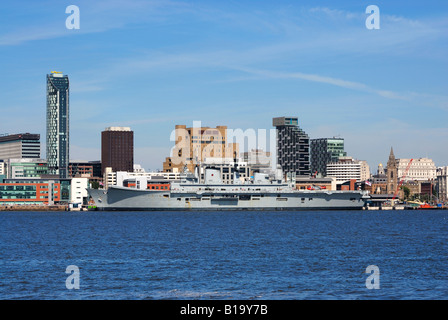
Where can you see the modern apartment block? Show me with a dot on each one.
(117, 149)
(293, 146)
(21, 145)
(58, 124)
(194, 145)
(324, 151)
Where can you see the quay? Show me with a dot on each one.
(33, 208)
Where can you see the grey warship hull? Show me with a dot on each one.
(214, 198)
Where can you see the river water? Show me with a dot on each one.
(224, 255)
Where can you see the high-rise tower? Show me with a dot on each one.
(58, 124)
(117, 149)
(293, 146)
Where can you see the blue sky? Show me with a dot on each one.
(151, 65)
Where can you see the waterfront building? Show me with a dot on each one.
(86, 169)
(293, 146)
(78, 191)
(97, 168)
(21, 145)
(377, 184)
(109, 177)
(324, 151)
(422, 169)
(78, 168)
(414, 187)
(34, 191)
(58, 124)
(442, 184)
(258, 160)
(26, 168)
(391, 173)
(117, 149)
(193, 145)
(365, 170)
(347, 168)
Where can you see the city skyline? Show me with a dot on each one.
(153, 65)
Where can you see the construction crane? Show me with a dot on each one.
(402, 180)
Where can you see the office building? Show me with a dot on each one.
(422, 169)
(26, 168)
(78, 168)
(117, 149)
(193, 145)
(58, 124)
(347, 168)
(293, 146)
(324, 151)
(21, 145)
(365, 170)
(34, 191)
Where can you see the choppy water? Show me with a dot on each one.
(224, 255)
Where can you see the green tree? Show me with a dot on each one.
(95, 184)
(406, 191)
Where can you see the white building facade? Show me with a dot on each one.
(78, 190)
(422, 169)
(347, 169)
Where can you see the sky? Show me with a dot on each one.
(150, 65)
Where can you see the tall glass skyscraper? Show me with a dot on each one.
(58, 124)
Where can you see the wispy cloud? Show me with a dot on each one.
(96, 17)
(266, 74)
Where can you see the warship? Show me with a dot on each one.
(190, 193)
